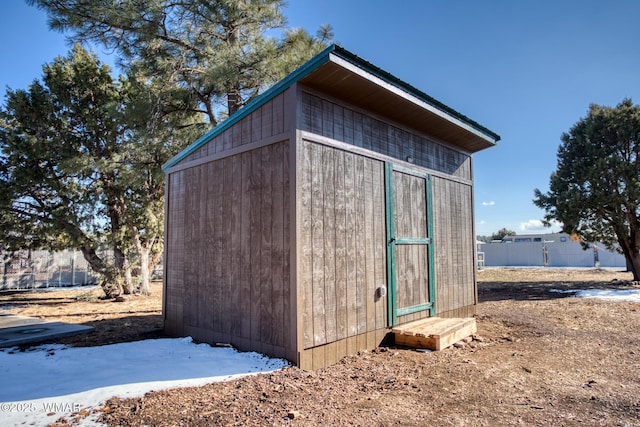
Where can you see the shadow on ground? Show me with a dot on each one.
(537, 291)
(117, 330)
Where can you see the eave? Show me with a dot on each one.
(345, 76)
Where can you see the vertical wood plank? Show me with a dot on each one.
(370, 260)
(289, 251)
(236, 135)
(318, 357)
(340, 247)
(264, 284)
(379, 138)
(348, 126)
(278, 323)
(191, 204)
(313, 113)
(358, 131)
(199, 246)
(256, 125)
(351, 258)
(227, 140)
(367, 132)
(379, 237)
(305, 359)
(330, 353)
(168, 206)
(361, 231)
(278, 114)
(244, 295)
(255, 230)
(211, 267)
(327, 118)
(245, 129)
(232, 256)
(306, 241)
(267, 119)
(175, 298)
(329, 236)
(317, 217)
(219, 145)
(290, 109)
(338, 122)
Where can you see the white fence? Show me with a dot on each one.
(549, 254)
(44, 269)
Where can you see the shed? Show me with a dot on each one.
(333, 207)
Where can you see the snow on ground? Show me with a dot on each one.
(632, 295)
(606, 294)
(61, 380)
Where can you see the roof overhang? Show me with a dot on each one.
(345, 76)
(356, 82)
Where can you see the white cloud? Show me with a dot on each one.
(535, 225)
(491, 203)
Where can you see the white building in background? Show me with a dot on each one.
(547, 250)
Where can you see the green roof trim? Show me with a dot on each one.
(306, 69)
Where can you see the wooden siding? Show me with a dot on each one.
(328, 354)
(261, 124)
(341, 251)
(454, 245)
(228, 252)
(174, 255)
(342, 123)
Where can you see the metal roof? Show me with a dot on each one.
(345, 76)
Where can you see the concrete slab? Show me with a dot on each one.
(17, 330)
(12, 320)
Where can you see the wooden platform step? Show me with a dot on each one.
(434, 333)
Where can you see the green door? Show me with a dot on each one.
(409, 243)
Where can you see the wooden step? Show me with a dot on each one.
(434, 333)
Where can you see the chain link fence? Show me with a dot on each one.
(44, 269)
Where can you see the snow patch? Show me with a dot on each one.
(632, 295)
(61, 379)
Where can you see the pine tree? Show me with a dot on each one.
(595, 190)
(80, 168)
(218, 53)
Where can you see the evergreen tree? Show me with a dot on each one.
(218, 53)
(595, 189)
(502, 233)
(189, 64)
(79, 168)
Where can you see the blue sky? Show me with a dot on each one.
(526, 70)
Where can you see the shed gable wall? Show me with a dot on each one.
(228, 251)
(263, 123)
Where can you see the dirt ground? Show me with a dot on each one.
(540, 358)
